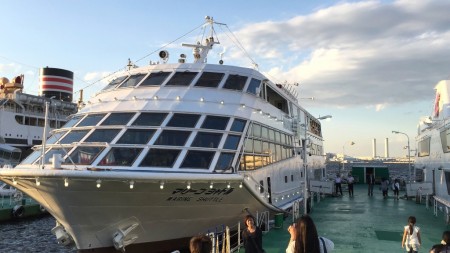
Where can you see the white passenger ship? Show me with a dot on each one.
(433, 146)
(167, 151)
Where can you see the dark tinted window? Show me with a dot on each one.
(209, 79)
(133, 80)
(117, 119)
(172, 138)
(207, 140)
(183, 120)
(235, 82)
(160, 158)
(215, 122)
(49, 154)
(91, 120)
(149, 119)
(73, 136)
(84, 155)
(136, 136)
(238, 125)
(182, 78)
(72, 121)
(197, 159)
(155, 79)
(232, 142)
(115, 82)
(254, 86)
(120, 157)
(224, 161)
(102, 135)
(55, 137)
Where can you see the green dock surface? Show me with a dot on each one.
(365, 224)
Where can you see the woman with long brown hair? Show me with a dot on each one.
(304, 238)
(411, 236)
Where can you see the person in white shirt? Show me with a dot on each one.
(411, 236)
(337, 183)
(304, 238)
(350, 181)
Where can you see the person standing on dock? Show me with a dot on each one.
(371, 182)
(337, 183)
(350, 181)
(252, 236)
(304, 238)
(411, 236)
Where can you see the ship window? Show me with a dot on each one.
(55, 137)
(19, 119)
(120, 157)
(253, 87)
(224, 162)
(238, 125)
(172, 138)
(132, 81)
(209, 79)
(149, 119)
(91, 120)
(207, 140)
(72, 121)
(41, 122)
(232, 142)
(183, 120)
(277, 136)
(261, 186)
(117, 119)
(73, 136)
(50, 154)
(447, 181)
(84, 155)
(115, 82)
(248, 145)
(445, 140)
(264, 133)
(31, 158)
(278, 154)
(33, 121)
(265, 148)
(155, 78)
(256, 130)
(102, 135)
(258, 147)
(247, 162)
(136, 136)
(160, 158)
(181, 78)
(424, 147)
(235, 82)
(215, 122)
(198, 159)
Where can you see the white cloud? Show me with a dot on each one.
(380, 107)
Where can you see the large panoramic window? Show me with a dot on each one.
(160, 158)
(232, 142)
(84, 155)
(72, 121)
(118, 119)
(181, 78)
(253, 87)
(91, 120)
(120, 157)
(115, 82)
(224, 162)
(49, 154)
(102, 135)
(215, 122)
(155, 79)
(238, 125)
(235, 82)
(136, 136)
(172, 138)
(207, 140)
(183, 120)
(73, 136)
(209, 79)
(149, 119)
(198, 159)
(133, 80)
(423, 147)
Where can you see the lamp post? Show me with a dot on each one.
(343, 156)
(409, 156)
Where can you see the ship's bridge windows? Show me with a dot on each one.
(118, 119)
(114, 83)
(232, 142)
(238, 125)
(160, 158)
(182, 78)
(224, 162)
(55, 137)
(445, 140)
(198, 159)
(32, 157)
(136, 136)
(235, 82)
(248, 145)
(423, 147)
(172, 138)
(120, 157)
(215, 122)
(256, 130)
(84, 155)
(207, 140)
(155, 79)
(102, 135)
(72, 121)
(133, 80)
(91, 120)
(49, 154)
(254, 87)
(210, 79)
(183, 120)
(277, 100)
(73, 136)
(149, 119)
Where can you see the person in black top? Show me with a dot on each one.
(252, 236)
(371, 182)
(444, 246)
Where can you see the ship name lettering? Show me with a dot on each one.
(210, 199)
(203, 191)
(179, 199)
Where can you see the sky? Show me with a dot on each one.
(372, 65)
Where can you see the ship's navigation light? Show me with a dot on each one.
(131, 184)
(99, 183)
(14, 181)
(38, 182)
(188, 185)
(211, 185)
(66, 182)
(161, 185)
(228, 185)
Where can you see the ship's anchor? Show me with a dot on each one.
(119, 238)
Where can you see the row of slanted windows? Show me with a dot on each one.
(33, 121)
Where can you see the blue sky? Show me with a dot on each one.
(372, 65)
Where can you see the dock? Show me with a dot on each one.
(365, 224)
